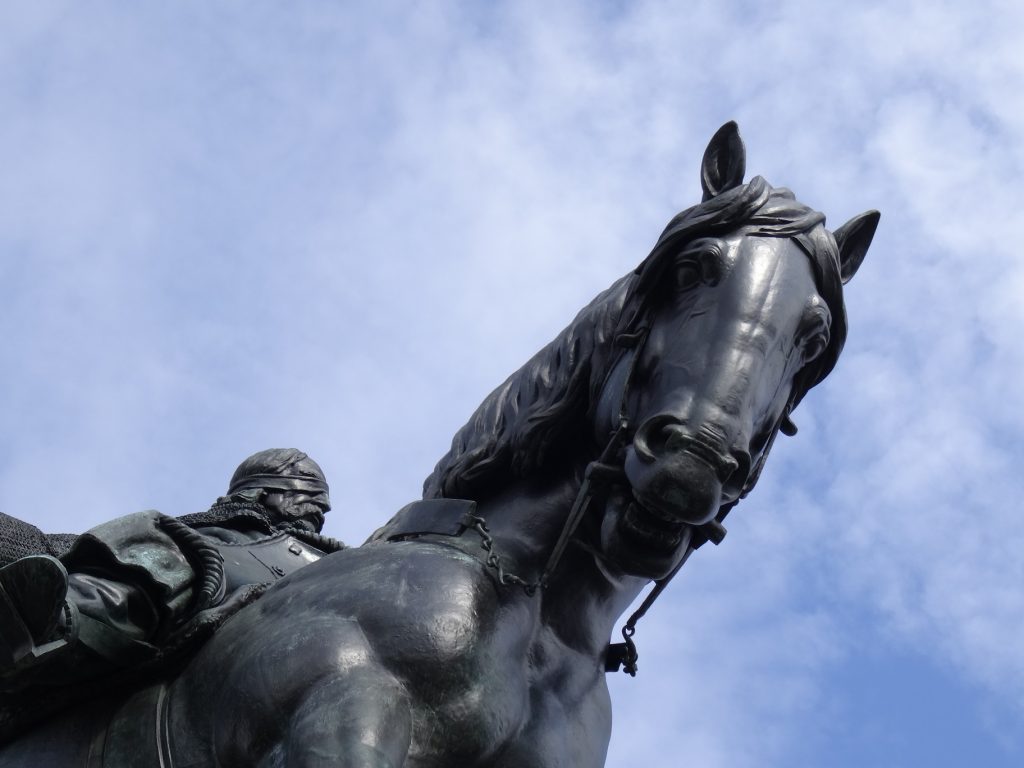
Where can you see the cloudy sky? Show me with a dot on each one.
(230, 226)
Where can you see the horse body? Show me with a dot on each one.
(408, 653)
(596, 468)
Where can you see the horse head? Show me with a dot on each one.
(734, 315)
(690, 366)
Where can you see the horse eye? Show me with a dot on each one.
(814, 343)
(700, 263)
(688, 275)
(815, 336)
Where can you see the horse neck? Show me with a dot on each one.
(584, 596)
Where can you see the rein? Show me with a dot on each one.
(624, 655)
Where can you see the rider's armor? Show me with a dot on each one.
(133, 597)
(139, 589)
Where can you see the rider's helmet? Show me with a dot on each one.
(288, 483)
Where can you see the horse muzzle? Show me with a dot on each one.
(678, 473)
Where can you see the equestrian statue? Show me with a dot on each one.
(472, 629)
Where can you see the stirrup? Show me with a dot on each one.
(33, 592)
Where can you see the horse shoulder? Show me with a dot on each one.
(426, 624)
(459, 642)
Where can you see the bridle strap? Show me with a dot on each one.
(785, 425)
(624, 654)
(601, 470)
(582, 502)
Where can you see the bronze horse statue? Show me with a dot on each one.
(472, 629)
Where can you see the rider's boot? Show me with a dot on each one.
(48, 638)
(35, 618)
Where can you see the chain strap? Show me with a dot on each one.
(493, 559)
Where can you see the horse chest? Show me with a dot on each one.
(567, 720)
(549, 728)
(563, 732)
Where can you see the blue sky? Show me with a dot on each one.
(232, 226)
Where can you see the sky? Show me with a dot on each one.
(231, 226)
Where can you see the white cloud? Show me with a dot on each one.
(339, 229)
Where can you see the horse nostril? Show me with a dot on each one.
(706, 442)
(655, 436)
(674, 438)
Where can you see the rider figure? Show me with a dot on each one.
(145, 588)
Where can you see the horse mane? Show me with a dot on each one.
(517, 425)
(523, 422)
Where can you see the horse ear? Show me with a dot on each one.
(724, 163)
(853, 239)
